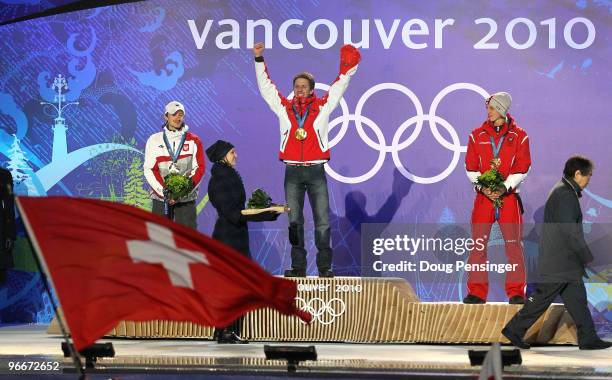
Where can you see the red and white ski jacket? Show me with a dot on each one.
(316, 145)
(514, 153)
(157, 161)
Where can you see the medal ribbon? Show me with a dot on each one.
(174, 154)
(301, 120)
(496, 149)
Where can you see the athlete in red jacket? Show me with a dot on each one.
(500, 142)
(304, 148)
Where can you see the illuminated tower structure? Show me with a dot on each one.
(60, 148)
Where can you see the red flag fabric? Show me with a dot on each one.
(111, 262)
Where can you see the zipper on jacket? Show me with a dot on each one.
(320, 140)
(302, 155)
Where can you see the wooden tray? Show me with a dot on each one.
(276, 208)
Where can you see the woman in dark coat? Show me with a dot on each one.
(226, 194)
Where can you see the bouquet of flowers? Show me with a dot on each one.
(177, 185)
(260, 201)
(493, 180)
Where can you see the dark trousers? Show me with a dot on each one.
(235, 327)
(6, 263)
(183, 213)
(311, 180)
(574, 297)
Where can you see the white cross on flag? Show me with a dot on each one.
(110, 262)
(160, 248)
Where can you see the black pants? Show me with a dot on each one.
(6, 263)
(574, 297)
(183, 213)
(235, 327)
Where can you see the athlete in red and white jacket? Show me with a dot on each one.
(190, 162)
(304, 148)
(315, 147)
(499, 134)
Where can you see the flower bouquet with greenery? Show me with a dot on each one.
(260, 201)
(493, 180)
(177, 186)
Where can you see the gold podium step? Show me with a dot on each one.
(370, 310)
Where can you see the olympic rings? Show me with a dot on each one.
(321, 311)
(397, 146)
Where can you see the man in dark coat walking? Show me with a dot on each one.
(7, 224)
(563, 257)
(227, 195)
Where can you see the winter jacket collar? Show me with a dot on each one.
(507, 127)
(573, 185)
(220, 168)
(301, 103)
(176, 134)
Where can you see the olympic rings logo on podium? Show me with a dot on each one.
(396, 146)
(322, 311)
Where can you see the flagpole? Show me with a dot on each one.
(40, 263)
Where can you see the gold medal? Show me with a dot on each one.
(301, 134)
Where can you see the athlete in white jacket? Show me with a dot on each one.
(174, 150)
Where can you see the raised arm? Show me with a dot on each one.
(349, 61)
(267, 88)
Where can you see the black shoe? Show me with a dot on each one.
(472, 299)
(516, 300)
(596, 345)
(326, 273)
(515, 339)
(295, 273)
(231, 338)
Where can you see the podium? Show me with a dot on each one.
(370, 310)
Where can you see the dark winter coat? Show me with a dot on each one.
(7, 222)
(563, 250)
(227, 195)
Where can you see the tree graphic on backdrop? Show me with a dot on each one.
(113, 170)
(19, 167)
(133, 188)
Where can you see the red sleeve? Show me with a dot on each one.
(522, 163)
(199, 159)
(472, 161)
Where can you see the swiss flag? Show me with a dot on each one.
(110, 262)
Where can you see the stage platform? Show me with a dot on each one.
(194, 358)
(370, 310)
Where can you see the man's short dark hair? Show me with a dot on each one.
(305, 75)
(577, 163)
